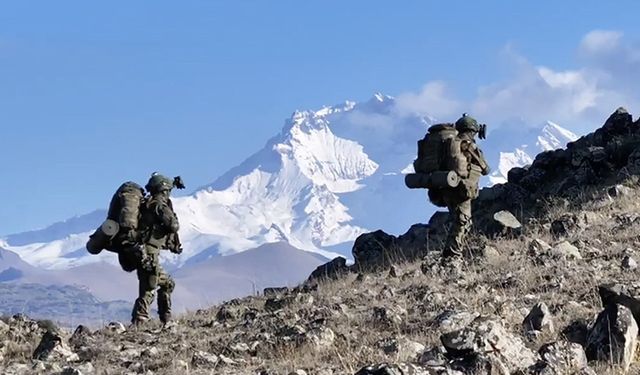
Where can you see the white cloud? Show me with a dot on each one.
(581, 97)
(599, 41)
(434, 99)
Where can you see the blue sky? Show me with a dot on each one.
(94, 94)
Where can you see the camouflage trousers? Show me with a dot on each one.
(151, 276)
(460, 213)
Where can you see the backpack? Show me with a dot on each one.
(125, 204)
(122, 221)
(434, 150)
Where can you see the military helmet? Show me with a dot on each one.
(158, 183)
(467, 123)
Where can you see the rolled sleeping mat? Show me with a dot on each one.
(110, 228)
(434, 180)
(101, 238)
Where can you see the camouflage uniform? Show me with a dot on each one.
(458, 200)
(160, 225)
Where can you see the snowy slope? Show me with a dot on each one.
(549, 136)
(328, 176)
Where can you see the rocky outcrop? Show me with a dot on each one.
(606, 156)
(613, 337)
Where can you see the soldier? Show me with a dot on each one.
(159, 229)
(458, 200)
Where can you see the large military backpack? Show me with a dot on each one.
(121, 227)
(438, 158)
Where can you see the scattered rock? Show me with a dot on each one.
(204, 359)
(628, 263)
(393, 272)
(275, 304)
(490, 253)
(612, 294)
(402, 348)
(388, 316)
(506, 222)
(450, 320)
(322, 337)
(619, 191)
(486, 339)
(538, 247)
(433, 357)
(116, 327)
(225, 313)
(52, 346)
(405, 369)
(273, 292)
(539, 320)
(566, 225)
(613, 337)
(565, 250)
(563, 357)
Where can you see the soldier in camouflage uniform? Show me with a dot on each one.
(159, 229)
(458, 200)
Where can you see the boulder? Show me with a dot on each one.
(506, 222)
(51, 346)
(485, 338)
(565, 225)
(628, 263)
(405, 369)
(375, 251)
(538, 247)
(629, 297)
(563, 357)
(539, 320)
(613, 337)
(321, 337)
(116, 327)
(274, 291)
(334, 269)
(402, 348)
(619, 191)
(451, 320)
(226, 313)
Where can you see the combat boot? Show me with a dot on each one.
(165, 318)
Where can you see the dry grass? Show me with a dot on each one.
(352, 306)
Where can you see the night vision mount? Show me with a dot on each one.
(178, 183)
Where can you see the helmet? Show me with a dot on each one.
(158, 183)
(467, 123)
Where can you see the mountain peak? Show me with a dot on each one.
(380, 97)
(553, 136)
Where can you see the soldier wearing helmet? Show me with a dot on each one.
(159, 228)
(458, 200)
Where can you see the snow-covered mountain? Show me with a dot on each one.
(524, 147)
(328, 176)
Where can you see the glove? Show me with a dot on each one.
(177, 250)
(129, 237)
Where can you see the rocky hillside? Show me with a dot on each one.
(549, 287)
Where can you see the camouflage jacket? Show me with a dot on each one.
(475, 158)
(160, 223)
